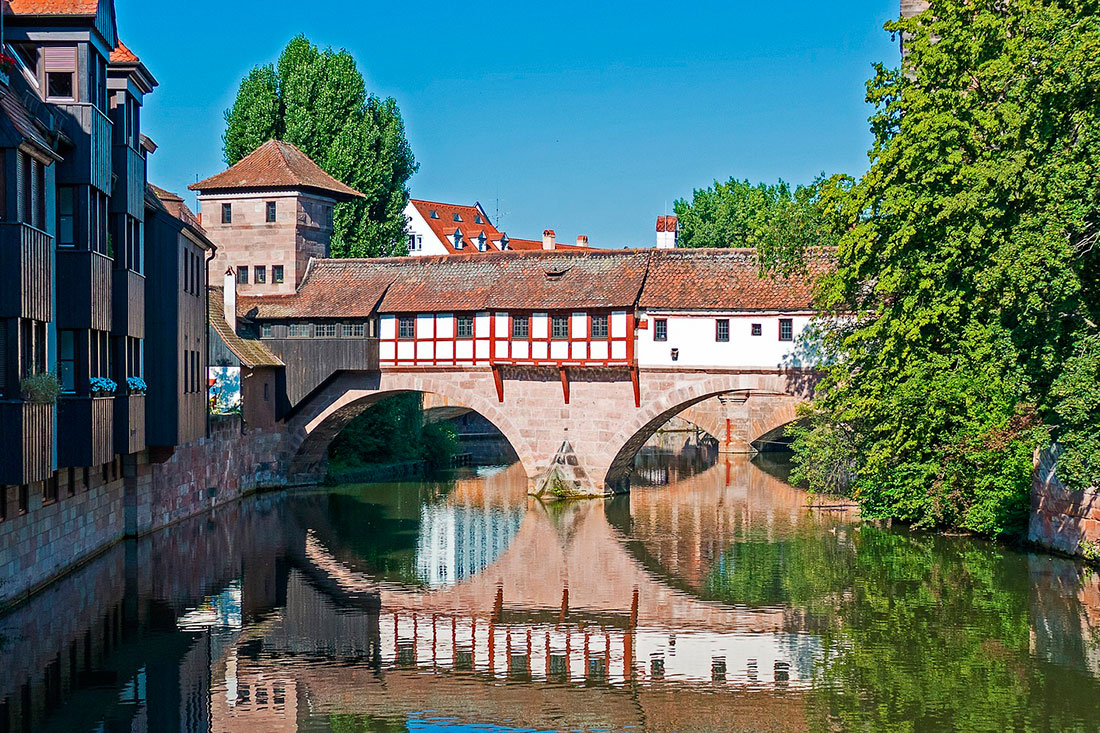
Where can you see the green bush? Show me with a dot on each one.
(42, 388)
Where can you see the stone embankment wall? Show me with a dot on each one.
(134, 498)
(1063, 520)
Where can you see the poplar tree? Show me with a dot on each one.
(966, 298)
(317, 100)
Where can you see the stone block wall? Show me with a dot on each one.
(1061, 519)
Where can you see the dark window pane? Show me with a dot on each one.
(276, 273)
(722, 329)
(465, 326)
(259, 274)
(406, 327)
(599, 327)
(242, 275)
(521, 327)
(227, 213)
(59, 85)
(559, 327)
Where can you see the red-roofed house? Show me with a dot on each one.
(441, 229)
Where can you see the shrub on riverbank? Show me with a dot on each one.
(968, 272)
(393, 431)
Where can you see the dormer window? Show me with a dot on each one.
(456, 217)
(433, 214)
(458, 240)
(59, 65)
(504, 242)
(481, 245)
(477, 219)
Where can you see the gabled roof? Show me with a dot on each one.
(174, 205)
(251, 352)
(443, 225)
(123, 55)
(277, 165)
(725, 279)
(124, 60)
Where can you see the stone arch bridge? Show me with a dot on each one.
(575, 433)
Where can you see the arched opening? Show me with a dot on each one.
(479, 441)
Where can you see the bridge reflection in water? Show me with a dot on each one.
(714, 599)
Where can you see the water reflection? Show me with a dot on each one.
(715, 598)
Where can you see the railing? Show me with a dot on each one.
(129, 424)
(28, 252)
(27, 455)
(128, 304)
(129, 194)
(90, 131)
(85, 299)
(85, 430)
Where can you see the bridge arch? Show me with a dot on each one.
(777, 394)
(321, 417)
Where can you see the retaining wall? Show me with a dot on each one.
(1061, 519)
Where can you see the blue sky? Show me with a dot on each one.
(587, 118)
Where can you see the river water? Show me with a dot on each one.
(715, 597)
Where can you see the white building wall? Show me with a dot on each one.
(428, 243)
(693, 335)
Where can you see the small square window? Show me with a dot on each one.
(59, 85)
(406, 327)
(599, 327)
(722, 329)
(660, 329)
(521, 327)
(276, 273)
(559, 327)
(757, 329)
(266, 331)
(242, 275)
(227, 213)
(465, 327)
(259, 274)
(270, 211)
(786, 329)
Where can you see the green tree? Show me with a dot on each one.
(780, 221)
(317, 100)
(966, 275)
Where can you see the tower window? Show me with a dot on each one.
(270, 212)
(227, 213)
(276, 274)
(259, 274)
(242, 275)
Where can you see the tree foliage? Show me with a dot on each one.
(317, 100)
(967, 270)
(393, 431)
(781, 222)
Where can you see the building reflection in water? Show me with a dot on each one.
(707, 600)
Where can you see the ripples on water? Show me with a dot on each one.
(714, 597)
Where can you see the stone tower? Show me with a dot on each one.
(269, 215)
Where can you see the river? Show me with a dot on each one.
(715, 597)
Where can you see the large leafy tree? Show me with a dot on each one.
(317, 100)
(782, 222)
(966, 292)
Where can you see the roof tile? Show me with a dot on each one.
(251, 352)
(53, 7)
(276, 164)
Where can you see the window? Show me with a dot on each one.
(478, 219)
(353, 331)
(660, 329)
(277, 274)
(559, 327)
(521, 327)
(406, 327)
(66, 217)
(242, 275)
(266, 331)
(270, 212)
(786, 329)
(722, 329)
(757, 329)
(59, 64)
(433, 214)
(324, 331)
(412, 242)
(66, 359)
(59, 86)
(599, 327)
(259, 274)
(458, 240)
(481, 245)
(465, 327)
(227, 213)
(456, 217)
(297, 330)
(50, 488)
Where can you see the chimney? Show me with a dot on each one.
(229, 302)
(667, 232)
(582, 240)
(548, 239)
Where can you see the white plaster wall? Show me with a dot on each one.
(694, 335)
(430, 244)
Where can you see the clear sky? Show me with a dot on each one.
(587, 118)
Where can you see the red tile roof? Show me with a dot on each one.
(444, 225)
(251, 352)
(724, 279)
(123, 55)
(528, 245)
(666, 223)
(277, 164)
(53, 7)
(173, 203)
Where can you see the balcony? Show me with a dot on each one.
(128, 304)
(26, 432)
(129, 194)
(90, 160)
(85, 301)
(129, 424)
(29, 252)
(85, 427)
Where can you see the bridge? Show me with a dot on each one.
(577, 358)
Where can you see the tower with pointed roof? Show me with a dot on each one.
(269, 214)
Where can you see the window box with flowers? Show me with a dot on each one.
(7, 63)
(137, 385)
(102, 387)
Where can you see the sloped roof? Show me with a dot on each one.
(330, 289)
(174, 205)
(724, 279)
(23, 122)
(123, 55)
(528, 245)
(251, 352)
(54, 7)
(444, 225)
(276, 164)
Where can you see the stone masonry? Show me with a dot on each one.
(1063, 520)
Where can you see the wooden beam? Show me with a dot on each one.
(498, 378)
(564, 383)
(637, 387)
